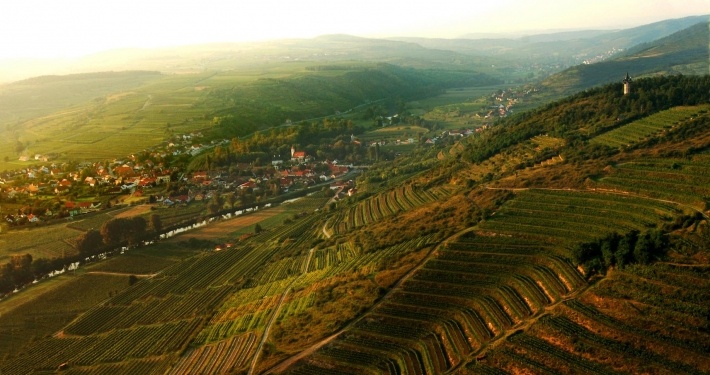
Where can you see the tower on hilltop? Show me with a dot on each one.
(627, 84)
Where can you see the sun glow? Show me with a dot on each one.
(68, 28)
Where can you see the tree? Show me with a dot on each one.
(156, 223)
(21, 269)
(136, 226)
(90, 242)
(624, 252)
(215, 204)
(231, 199)
(112, 231)
(643, 249)
(120, 230)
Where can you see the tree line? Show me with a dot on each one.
(23, 269)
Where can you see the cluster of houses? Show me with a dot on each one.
(60, 179)
(503, 102)
(133, 174)
(281, 176)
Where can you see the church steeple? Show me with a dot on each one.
(627, 84)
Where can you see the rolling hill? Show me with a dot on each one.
(683, 52)
(538, 246)
(109, 115)
(562, 47)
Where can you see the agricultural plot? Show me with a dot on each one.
(385, 204)
(643, 319)
(153, 365)
(43, 309)
(177, 214)
(564, 217)
(140, 342)
(175, 305)
(525, 154)
(135, 262)
(471, 292)
(346, 258)
(226, 356)
(224, 230)
(393, 133)
(684, 181)
(646, 127)
(542, 142)
(94, 220)
(306, 204)
(42, 242)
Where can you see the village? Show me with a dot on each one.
(64, 190)
(52, 191)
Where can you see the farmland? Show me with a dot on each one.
(611, 329)
(437, 264)
(680, 180)
(470, 292)
(640, 130)
(561, 216)
(376, 208)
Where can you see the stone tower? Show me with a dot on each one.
(627, 84)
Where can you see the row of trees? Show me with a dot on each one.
(617, 250)
(23, 269)
(117, 232)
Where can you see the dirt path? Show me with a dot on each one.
(276, 313)
(288, 362)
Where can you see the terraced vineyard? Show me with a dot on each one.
(375, 208)
(639, 130)
(469, 293)
(680, 180)
(538, 151)
(615, 327)
(564, 217)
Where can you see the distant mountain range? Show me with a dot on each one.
(683, 52)
(561, 46)
(567, 48)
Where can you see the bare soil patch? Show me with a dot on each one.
(225, 228)
(134, 211)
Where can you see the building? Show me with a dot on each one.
(627, 84)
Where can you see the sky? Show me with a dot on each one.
(74, 28)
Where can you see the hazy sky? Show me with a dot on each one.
(68, 28)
